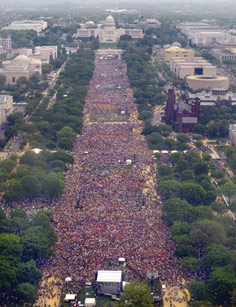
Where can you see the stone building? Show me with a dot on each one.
(21, 66)
(27, 25)
(6, 43)
(207, 82)
(6, 107)
(107, 33)
(182, 112)
(175, 51)
(183, 67)
(43, 53)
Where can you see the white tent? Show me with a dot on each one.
(70, 297)
(128, 162)
(90, 302)
(67, 279)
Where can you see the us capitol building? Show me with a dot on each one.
(107, 32)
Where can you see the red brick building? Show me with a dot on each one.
(182, 112)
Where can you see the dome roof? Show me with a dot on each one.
(110, 20)
(22, 59)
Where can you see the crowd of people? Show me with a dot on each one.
(104, 213)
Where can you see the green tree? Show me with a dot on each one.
(207, 232)
(36, 243)
(28, 272)
(8, 274)
(186, 175)
(180, 228)
(193, 193)
(198, 290)
(182, 165)
(176, 209)
(216, 255)
(29, 158)
(218, 207)
(10, 246)
(189, 263)
(164, 170)
(30, 186)
(200, 168)
(221, 283)
(169, 189)
(53, 185)
(229, 189)
(26, 291)
(136, 294)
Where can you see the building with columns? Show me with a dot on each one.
(21, 66)
(107, 32)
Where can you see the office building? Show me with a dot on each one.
(175, 51)
(183, 67)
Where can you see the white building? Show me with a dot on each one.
(25, 25)
(143, 23)
(209, 37)
(6, 43)
(43, 53)
(107, 33)
(186, 27)
(6, 107)
(21, 66)
(232, 133)
(109, 282)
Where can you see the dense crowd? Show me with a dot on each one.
(104, 212)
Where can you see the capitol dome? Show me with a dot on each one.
(109, 22)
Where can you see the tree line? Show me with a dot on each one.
(206, 239)
(23, 242)
(33, 175)
(57, 127)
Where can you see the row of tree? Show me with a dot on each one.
(58, 126)
(206, 243)
(143, 80)
(22, 243)
(33, 175)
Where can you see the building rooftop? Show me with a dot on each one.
(109, 276)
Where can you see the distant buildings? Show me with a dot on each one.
(24, 25)
(107, 32)
(207, 82)
(175, 51)
(183, 113)
(186, 27)
(187, 66)
(6, 107)
(143, 23)
(218, 97)
(43, 53)
(204, 34)
(21, 66)
(5, 43)
(232, 133)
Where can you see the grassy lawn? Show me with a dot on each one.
(103, 301)
(108, 45)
